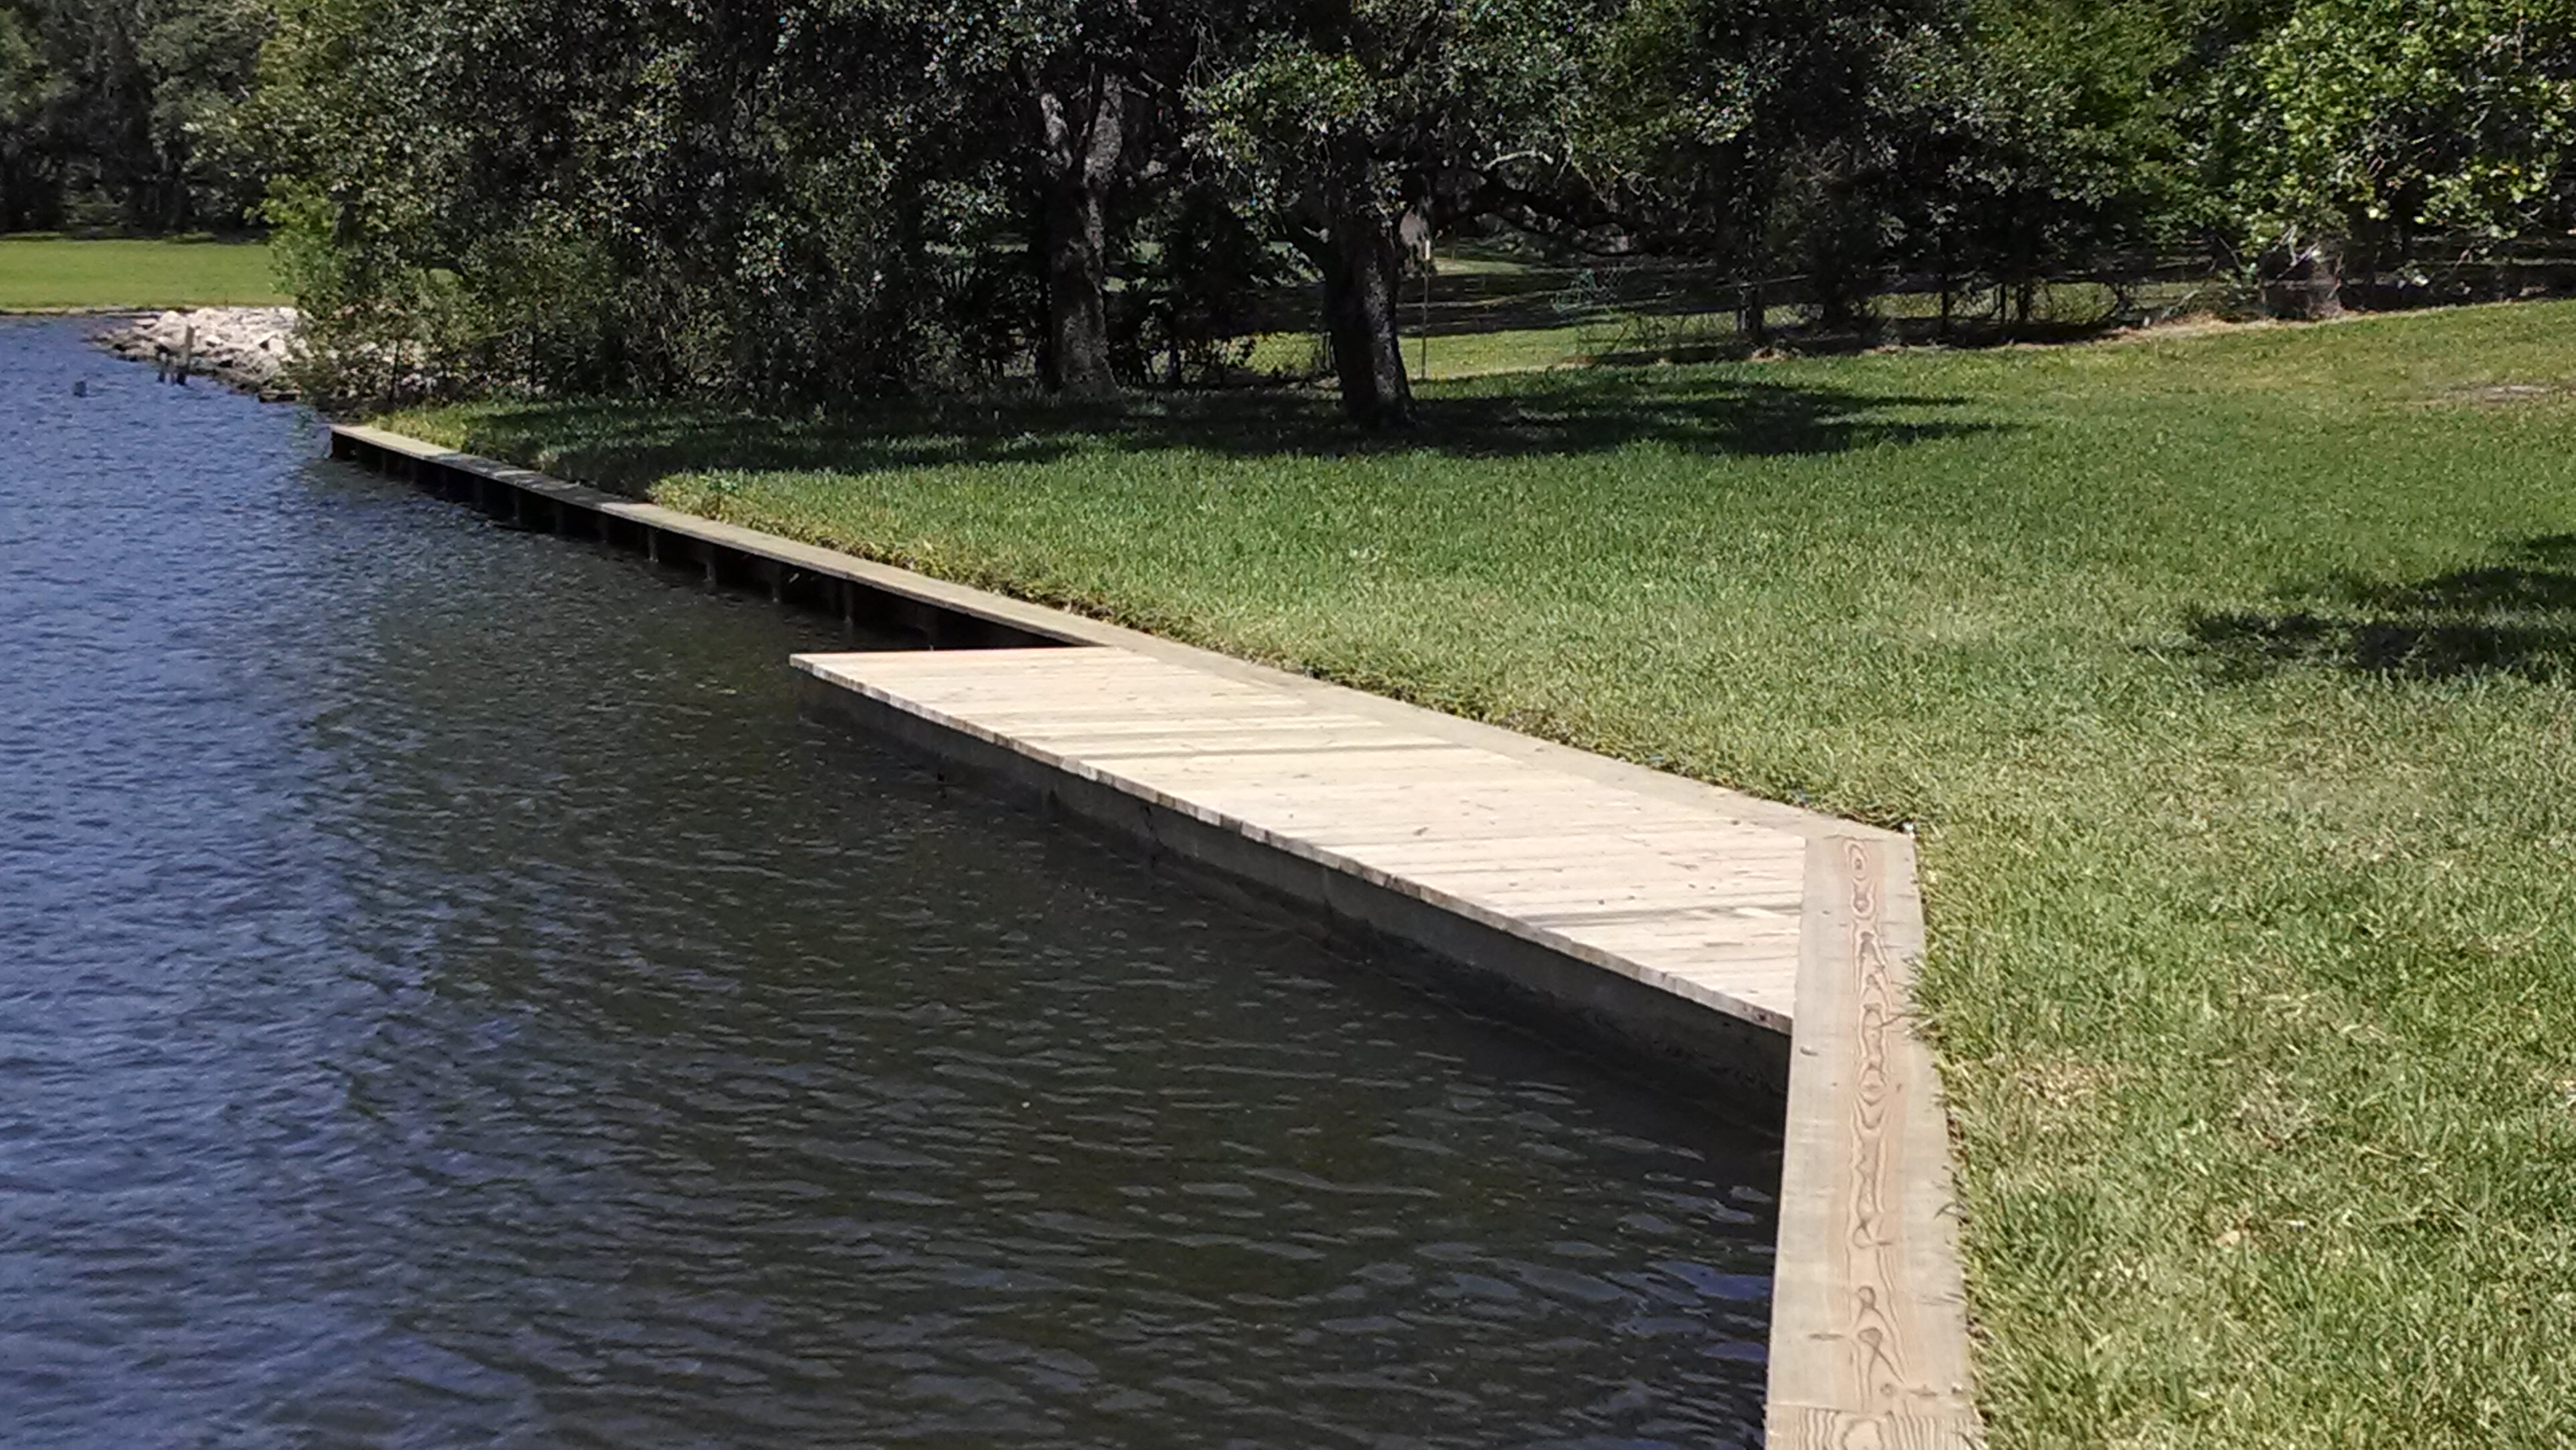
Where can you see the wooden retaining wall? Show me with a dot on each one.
(1869, 1337)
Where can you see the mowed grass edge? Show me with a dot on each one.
(58, 274)
(2226, 678)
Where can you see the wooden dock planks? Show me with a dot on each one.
(1696, 902)
(1869, 1327)
(1813, 935)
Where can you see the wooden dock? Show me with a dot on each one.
(1700, 906)
(1772, 946)
(1743, 937)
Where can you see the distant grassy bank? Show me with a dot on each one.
(2231, 681)
(53, 274)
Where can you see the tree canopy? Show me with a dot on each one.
(797, 201)
(114, 113)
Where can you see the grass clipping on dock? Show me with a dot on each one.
(2228, 679)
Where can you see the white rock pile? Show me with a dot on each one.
(244, 346)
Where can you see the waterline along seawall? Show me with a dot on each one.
(1765, 947)
(455, 996)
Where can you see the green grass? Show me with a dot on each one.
(50, 274)
(2230, 680)
(1447, 358)
(1464, 346)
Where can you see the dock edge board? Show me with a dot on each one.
(1489, 962)
(1870, 1344)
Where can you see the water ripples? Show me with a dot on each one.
(447, 997)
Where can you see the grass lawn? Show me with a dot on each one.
(49, 274)
(1447, 358)
(2230, 680)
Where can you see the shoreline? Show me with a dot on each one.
(1869, 1337)
(244, 348)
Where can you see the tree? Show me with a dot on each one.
(1092, 86)
(27, 164)
(115, 112)
(2367, 121)
(769, 202)
(1781, 135)
(793, 202)
(1059, 76)
(2039, 135)
(1344, 116)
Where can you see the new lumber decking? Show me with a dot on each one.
(1756, 924)
(1698, 906)
(1869, 1333)
(1774, 943)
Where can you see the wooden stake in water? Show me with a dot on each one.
(187, 353)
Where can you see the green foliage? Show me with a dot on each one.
(1431, 105)
(547, 195)
(813, 198)
(794, 201)
(2002, 139)
(2363, 116)
(116, 114)
(2081, 153)
(1710, 112)
(1194, 287)
(786, 203)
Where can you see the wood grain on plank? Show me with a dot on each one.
(1641, 883)
(1869, 1335)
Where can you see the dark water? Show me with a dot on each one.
(447, 998)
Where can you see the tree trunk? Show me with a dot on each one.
(1038, 269)
(1077, 289)
(1077, 160)
(2304, 282)
(1362, 267)
(1360, 280)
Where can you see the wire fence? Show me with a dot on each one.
(1488, 313)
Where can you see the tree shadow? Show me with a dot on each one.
(628, 446)
(2517, 618)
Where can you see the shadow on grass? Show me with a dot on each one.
(2509, 619)
(628, 446)
(1818, 340)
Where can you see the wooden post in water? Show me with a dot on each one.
(187, 354)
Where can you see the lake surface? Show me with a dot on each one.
(449, 997)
